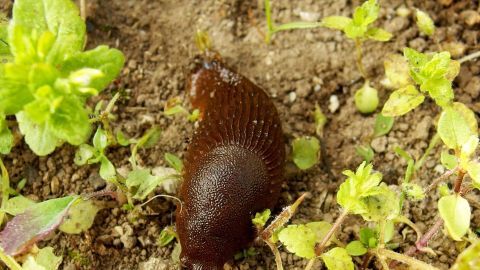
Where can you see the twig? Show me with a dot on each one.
(310, 263)
(440, 179)
(458, 182)
(320, 247)
(359, 50)
(417, 264)
(83, 10)
(469, 57)
(278, 258)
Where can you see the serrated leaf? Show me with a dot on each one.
(17, 205)
(424, 23)
(38, 137)
(384, 205)
(455, 212)
(336, 22)
(299, 239)
(468, 259)
(378, 34)
(80, 217)
(174, 162)
(402, 101)
(305, 152)
(56, 16)
(367, 13)
(356, 248)
(383, 125)
(453, 129)
(261, 218)
(440, 89)
(109, 61)
(37, 222)
(338, 259)
(413, 191)
(45, 259)
(144, 181)
(415, 59)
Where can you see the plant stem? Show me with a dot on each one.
(423, 242)
(310, 264)
(9, 261)
(5, 188)
(383, 262)
(268, 15)
(405, 220)
(440, 179)
(83, 10)
(278, 258)
(417, 264)
(320, 247)
(458, 182)
(431, 145)
(359, 50)
(469, 57)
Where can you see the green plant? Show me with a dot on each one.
(305, 152)
(50, 77)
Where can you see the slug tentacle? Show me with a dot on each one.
(233, 166)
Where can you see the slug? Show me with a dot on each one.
(233, 166)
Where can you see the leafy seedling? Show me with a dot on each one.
(142, 182)
(261, 219)
(306, 151)
(366, 152)
(174, 162)
(432, 73)
(174, 107)
(338, 259)
(167, 235)
(383, 125)
(47, 83)
(320, 120)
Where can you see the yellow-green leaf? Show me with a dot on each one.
(453, 129)
(455, 212)
(425, 23)
(402, 101)
(338, 259)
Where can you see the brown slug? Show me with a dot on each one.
(233, 166)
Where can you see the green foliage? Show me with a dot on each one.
(366, 98)
(413, 191)
(174, 162)
(402, 101)
(261, 218)
(17, 205)
(368, 237)
(45, 259)
(301, 239)
(143, 182)
(356, 248)
(448, 160)
(383, 125)
(338, 259)
(468, 259)
(424, 23)
(80, 217)
(455, 212)
(359, 27)
(6, 137)
(50, 78)
(305, 152)
(320, 120)
(366, 152)
(454, 129)
(166, 236)
(249, 252)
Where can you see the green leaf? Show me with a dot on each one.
(6, 137)
(17, 205)
(45, 259)
(413, 191)
(305, 152)
(109, 61)
(440, 89)
(338, 259)
(145, 181)
(299, 239)
(378, 34)
(122, 139)
(383, 125)
(14, 88)
(107, 170)
(261, 218)
(321, 229)
(70, 121)
(167, 235)
(366, 236)
(402, 101)
(366, 152)
(424, 23)
(468, 259)
(473, 170)
(384, 205)
(455, 212)
(84, 154)
(453, 128)
(320, 120)
(468, 115)
(37, 222)
(80, 217)
(38, 137)
(448, 160)
(367, 13)
(354, 31)
(174, 162)
(366, 98)
(150, 138)
(336, 22)
(356, 248)
(358, 186)
(415, 59)
(194, 115)
(56, 16)
(100, 140)
(175, 110)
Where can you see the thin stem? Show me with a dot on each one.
(469, 57)
(383, 223)
(5, 188)
(431, 145)
(440, 179)
(83, 10)
(383, 262)
(320, 247)
(359, 50)
(458, 182)
(423, 242)
(417, 264)
(310, 264)
(268, 15)
(278, 258)
(9, 261)
(412, 225)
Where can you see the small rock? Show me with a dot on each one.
(297, 108)
(439, 169)
(292, 96)
(96, 181)
(403, 11)
(379, 144)
(334, 104)
(309, 16)
(421, 129)
(456, 49)
(128, 241)
(470, 17)
(473, 87)
(396, 24)
(302, 88)
(153, 264)
(54, 185)
(132, 64)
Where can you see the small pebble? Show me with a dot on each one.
(334, 104)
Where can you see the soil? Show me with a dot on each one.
(299, 69)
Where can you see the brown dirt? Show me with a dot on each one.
(299, 69)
